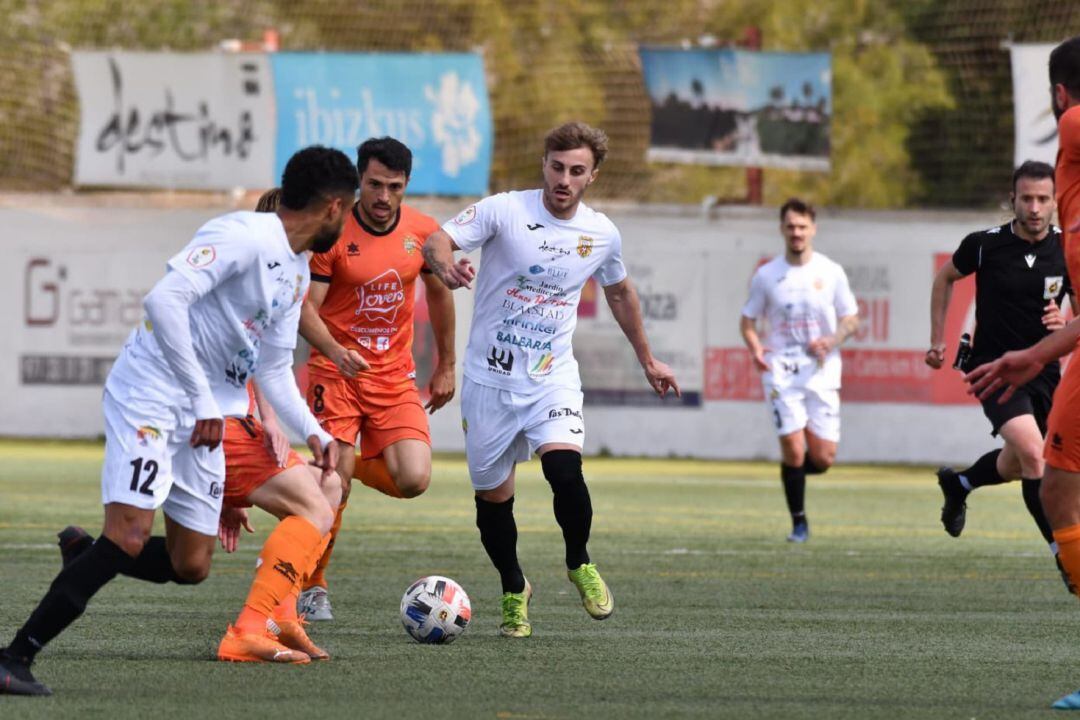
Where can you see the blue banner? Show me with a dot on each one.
(739, 107)
(437, 104)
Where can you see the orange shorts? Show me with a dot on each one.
(1063, 426)
(380, 413)
(248, 462)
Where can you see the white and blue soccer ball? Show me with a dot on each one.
(435, 610)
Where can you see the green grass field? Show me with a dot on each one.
(880, 615)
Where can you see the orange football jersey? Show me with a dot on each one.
(1067, 180)
(369, 304)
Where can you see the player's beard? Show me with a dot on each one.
(326, 239)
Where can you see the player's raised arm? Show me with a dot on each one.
(625, 306)
(314, 330)
(440, 302)
(439, 255)
(940, 295)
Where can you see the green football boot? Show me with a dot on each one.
(595, 595)
(515, 613)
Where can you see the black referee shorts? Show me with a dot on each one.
(1031, 399)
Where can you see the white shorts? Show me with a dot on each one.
(504, 428)
(796, 407)
(150, 464)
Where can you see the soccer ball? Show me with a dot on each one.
(435, 610)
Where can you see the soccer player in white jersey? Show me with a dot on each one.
(807, 302)
(522, 392)
(226, 310)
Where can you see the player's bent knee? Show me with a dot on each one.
(192, 571)
(412, 484)
(562, 467)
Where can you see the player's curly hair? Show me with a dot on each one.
(317, 172)
(392, 153)
(269, 201)
(574, 135)
(1065, 66)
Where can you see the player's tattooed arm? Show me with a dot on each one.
(438, 254)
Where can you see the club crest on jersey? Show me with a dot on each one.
(1052, 286)
(466, 216)
(200, 257)
(584, 246)
(411, 243)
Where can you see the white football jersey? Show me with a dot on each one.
(800, 303)
(251, 286)
(533, 267)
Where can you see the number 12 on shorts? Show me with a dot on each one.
(150, 468)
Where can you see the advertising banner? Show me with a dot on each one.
(1036, 128)
(672, 296)
(172, 120)
(437, 104)
(738, 107)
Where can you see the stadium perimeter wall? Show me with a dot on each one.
(75, 271)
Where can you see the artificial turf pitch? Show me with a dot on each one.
(879, 615)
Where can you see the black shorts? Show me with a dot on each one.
(1031, 399)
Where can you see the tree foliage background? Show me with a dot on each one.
(921, 88)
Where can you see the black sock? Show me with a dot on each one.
(571, 502)
(1030, 488)
(811, 468)
(68, 595)
(154, 564)
(498, 533)
(794, 489)
(984, 471)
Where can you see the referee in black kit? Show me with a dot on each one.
(1020, 283)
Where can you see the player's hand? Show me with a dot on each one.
(661, 378)
(935, 356)
(349, 361)
(324, 458)
(229, 524)
(208, 433)
(277, 442)
(821, 347)
(1053, 319)
(458, 275)
(1008, 372)
(441, 388)
(758, 356)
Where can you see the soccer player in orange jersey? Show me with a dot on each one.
(1061, 484)
(358, 318)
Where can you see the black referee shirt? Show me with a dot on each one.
(1014, 280)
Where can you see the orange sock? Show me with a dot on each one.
(318, 575)
(376, 476)
(286, 609)
(284, 556)
(1068, 542)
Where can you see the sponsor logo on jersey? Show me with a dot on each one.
(410, 243)
(381, 298)
(529, 325)
(585, 246)
(200, 257)
(147, 434)
(382, 342)
(1052, 286)
(352, 248)
(466, 216)
(553, 249)
(534, 226)
(521, 341)
(536, 269)
(500, 361)
(1030, 260)
(564, 412)
(241, 367)
(542, 366)
(273, 265)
